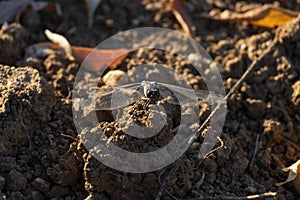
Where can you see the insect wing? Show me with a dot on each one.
(119, 97)
(184, 95)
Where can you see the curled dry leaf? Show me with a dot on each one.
(178, 9)
(91, 6)
(293, 177)
(102, 56)
(268, 16)
(99, 58)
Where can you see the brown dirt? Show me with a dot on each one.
(41, 156)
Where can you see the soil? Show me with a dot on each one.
(42, 155)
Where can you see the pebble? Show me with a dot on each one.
(2, 196)
(251, 189)
(41, 185)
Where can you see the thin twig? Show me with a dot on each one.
(206, 122)
(250, 197)
(68, 136)
(255, 151)
(166, 179)
(215, 149)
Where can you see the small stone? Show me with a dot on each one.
(16, 181)
(2, 196)
(41, 185)
(251, 190)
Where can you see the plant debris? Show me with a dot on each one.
(268, 16)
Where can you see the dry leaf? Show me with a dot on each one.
(268, 16)
(102, 56)
(294, 176)
(178, 9)
(91, 6)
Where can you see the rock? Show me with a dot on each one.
(41, 185)
(16, 181)
(251, 189)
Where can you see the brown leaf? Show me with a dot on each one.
(268, 16)
(102, 56)
(178, 9)
(293, 177)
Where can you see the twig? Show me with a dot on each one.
(255, 151)
(166, 179)
(250, 197)
(206, 122)
(68, 136)
(199, 183)
(215, 149)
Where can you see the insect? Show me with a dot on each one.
(122, 96)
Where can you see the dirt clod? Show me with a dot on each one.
(26, 102)
(16, 181)
(12, 42)
(255, 108)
